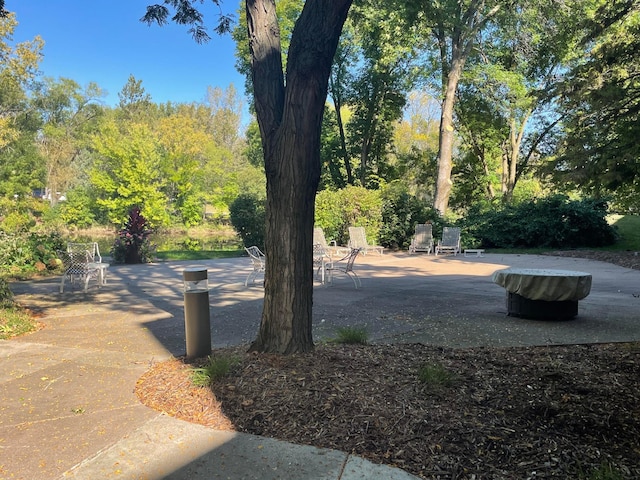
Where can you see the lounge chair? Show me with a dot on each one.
(358, 239)
(422, 241)
(258, 263)
(333, 249)
(345, 266)
(450, 242)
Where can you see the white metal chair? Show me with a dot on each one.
(258, 261)
(345, 266)
(422, 240)
(82, 263)
(450, 242)
(94, 257)
(321, 258)
(358, 239)
(91, 248)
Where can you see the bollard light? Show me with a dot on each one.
(197, 323)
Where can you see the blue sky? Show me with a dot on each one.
(104, 42)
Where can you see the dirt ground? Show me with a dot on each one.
(499, 413)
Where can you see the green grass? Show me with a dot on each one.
(604, 472)
(215, 369)
(14, 321)
(169, 255)
(628, 227)
(435, 375)
(352, 336)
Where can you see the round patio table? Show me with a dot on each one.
(543, 293)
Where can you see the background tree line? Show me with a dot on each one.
(539, 104)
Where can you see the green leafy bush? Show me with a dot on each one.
(6, 295)
(76, 210)
(29, 253)
(552, 222)
(247, 213)
(22, 214)
(337, 210)
(400, 214)
(15, 222)
(190, 209)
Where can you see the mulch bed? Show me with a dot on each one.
(537, 412)
(625, 259)
(507, 413)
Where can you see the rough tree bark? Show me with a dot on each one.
(445, 144)
(462, 39)
(289, 115)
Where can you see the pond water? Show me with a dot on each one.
(194, 241)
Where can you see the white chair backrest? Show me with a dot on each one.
(424, 234)
(89, 248)
(257, 257)
(357, 237)
(319, 238)
(451, 236)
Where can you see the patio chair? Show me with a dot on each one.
(358, 239)
(320, 260)
(258, 262)
(93, 255)
(79, 266)
(92, 249)
(345, 266)
(422, 241)
(333, 249)
(450, 242)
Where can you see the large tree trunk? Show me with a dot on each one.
(445, 148)
(509, 174)
(290, 119)
(462, 38)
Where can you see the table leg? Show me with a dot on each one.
(519, 306)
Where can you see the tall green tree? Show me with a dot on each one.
(69, 113)
(289, 110)
(225, 116)
(133, 100)
(184, 150)
(455, 27)
(416, 145)
(20, 167)
(599, 153)
(128, 172)
(379, 85)
(336, 157)
(506, 116)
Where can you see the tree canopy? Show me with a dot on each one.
(599, 152)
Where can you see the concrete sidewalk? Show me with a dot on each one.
(66, 391)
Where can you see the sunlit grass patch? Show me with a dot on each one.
(628, 227)
(216, 368)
